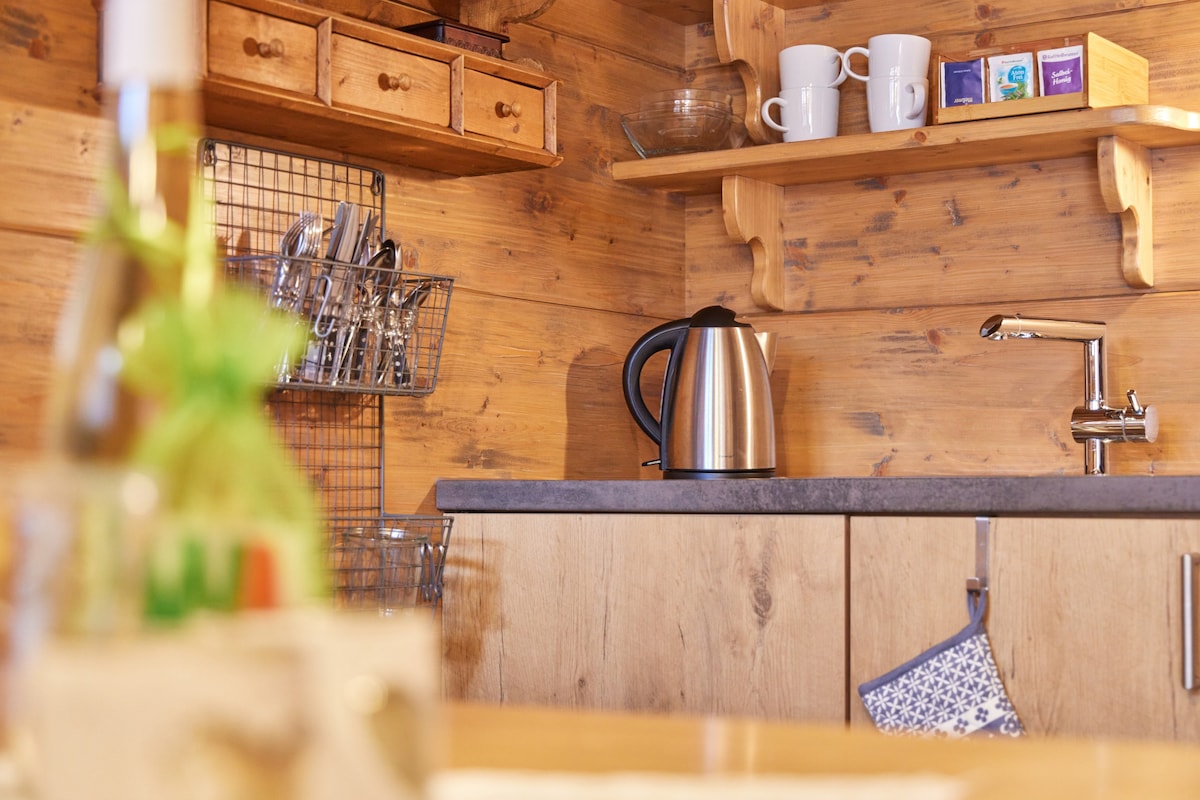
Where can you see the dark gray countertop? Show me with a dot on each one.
(1135, 496)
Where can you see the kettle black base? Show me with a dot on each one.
(710, 475)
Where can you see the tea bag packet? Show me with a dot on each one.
(961, 83)
(952, 689)
(1060, 70)
(1011, 77)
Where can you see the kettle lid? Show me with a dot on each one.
(715, 317)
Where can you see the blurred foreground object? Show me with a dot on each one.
(303, 705)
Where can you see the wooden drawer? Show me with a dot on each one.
(382, 80)
(260, 48)
(504, 109)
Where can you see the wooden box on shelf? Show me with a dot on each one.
(1111, 76)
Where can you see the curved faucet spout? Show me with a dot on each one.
(1093, 424)
(1018, 327)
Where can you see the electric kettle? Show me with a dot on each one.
(716, 419)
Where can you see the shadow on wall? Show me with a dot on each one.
(603, 441)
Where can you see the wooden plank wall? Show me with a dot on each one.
(881, 370)
(558, 271)
(555, 269)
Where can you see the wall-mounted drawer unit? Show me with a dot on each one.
(297, 73)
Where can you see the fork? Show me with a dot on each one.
(300, 240)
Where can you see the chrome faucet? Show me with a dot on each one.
(1094, 424)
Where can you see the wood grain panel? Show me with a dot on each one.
(710, 614)
(51, 46)
(918, 392)
(1090, 642)
(907, 592)
(30, 299)
(1008, 234)
(854, 21)
(50, 160)
(525, 390)
(509, 237)
(609, 25)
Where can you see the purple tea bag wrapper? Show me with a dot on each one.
(962, 83)
(1061, 70)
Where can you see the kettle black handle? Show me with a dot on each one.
(665, 337)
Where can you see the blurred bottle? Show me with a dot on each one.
(149, 80)
(79, 511)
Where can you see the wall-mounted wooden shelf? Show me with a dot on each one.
(1121, 137)
(294, 72)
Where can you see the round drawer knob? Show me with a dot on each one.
(271, 49)
(400, 83)
(508, 109)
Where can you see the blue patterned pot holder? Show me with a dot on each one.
(952, 689)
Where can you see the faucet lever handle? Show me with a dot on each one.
(1134, 405)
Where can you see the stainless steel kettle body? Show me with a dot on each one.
(716, 419)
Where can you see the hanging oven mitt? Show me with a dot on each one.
(952, 689)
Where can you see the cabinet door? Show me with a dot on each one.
(908, 583)
(1083, 616)
(741, 615)
(1094, 646)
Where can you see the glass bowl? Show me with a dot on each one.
(670, 131)
(681, 99)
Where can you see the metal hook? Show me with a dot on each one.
(978, 583)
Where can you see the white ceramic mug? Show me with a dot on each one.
(891, 55)
(810, 65)
(897, 103)
(809, 112)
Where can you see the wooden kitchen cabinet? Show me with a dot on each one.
(729, 614)
(294, 72)
(907, 586)
(1084, 615)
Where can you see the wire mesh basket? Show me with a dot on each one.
(370, 329)
(391, 566)
(373, 330)
(372, 326)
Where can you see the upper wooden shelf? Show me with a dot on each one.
(293, 72)
(751, 179)
(1061, 134)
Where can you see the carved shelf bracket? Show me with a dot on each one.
(753, 212)
(1125, 173)
(749, 35)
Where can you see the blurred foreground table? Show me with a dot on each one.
(502, 752)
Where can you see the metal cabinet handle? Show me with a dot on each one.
(1189, 621)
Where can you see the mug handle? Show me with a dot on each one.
(841, 72)
(846, 61)
(766, 107)
(918, 109)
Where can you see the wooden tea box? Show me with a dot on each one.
(1111, 76)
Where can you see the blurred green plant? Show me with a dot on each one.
(204, 354)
